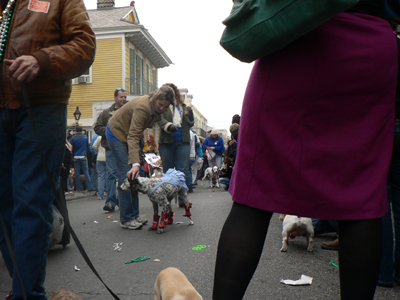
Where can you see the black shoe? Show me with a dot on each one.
(108, 207)
(190, 191)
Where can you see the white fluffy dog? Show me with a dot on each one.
(297, 226)
(212, 173)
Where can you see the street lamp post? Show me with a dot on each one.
(77, 115)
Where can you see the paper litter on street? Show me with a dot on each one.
(304, 280)
(76, 268)
(118, 246)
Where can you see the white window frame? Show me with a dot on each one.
(89, 81)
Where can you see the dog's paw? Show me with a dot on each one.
(310, 248)
(283, 249)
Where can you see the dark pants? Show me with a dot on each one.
(25, 195)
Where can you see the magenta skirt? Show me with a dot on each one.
(317, 123)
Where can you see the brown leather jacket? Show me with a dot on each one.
(62, 41)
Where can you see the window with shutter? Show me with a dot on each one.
(132, 72)
(147, 79)
(139, 75)
(154, 79)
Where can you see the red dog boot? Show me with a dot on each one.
(187, 214)
(170, 218)
(163, 222)
(155, 222)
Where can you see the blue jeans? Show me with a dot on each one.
(101, 177)
(179, 152)
(111, 179)
(93, 176)
(189, 183)
(218, 161)
(390, 263)
(82, 164)
(128, 207)
(325, 226)
(25, 195)
(226, 181)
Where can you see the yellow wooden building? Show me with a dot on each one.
(127, 57)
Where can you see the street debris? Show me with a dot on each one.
(96, 222)
(118, 246)
(156, 259)
(137, 259)
(109, 217)
(77, 269)
(178, 222)
(304, 280)
(333, 264)
(199, 247)
(115, 221)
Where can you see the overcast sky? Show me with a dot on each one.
(189, 32)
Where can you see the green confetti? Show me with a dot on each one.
(199, 247)
(140, 258)
(333, 264)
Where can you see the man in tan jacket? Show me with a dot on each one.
(44, 44)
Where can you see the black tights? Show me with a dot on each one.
(242, 241)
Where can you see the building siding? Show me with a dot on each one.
(106, 77)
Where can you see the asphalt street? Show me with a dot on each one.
(99, 230)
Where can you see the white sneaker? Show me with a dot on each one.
(132, 224)
(141, 220)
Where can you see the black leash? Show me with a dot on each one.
(62, 209)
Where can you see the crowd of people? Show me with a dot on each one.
(87, 165)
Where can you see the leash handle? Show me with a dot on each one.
(212, 157)
(62, 208)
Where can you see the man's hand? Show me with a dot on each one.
(133, 173)
(24, 69)
(172, 128)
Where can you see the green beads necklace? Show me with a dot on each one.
(5, 21)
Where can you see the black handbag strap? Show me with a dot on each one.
(53, 187)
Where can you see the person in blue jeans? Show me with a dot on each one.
(101, 168)
(79, 144)
(174, 139)
(124, 131)
(111, 168)
(93, 163)
(214, 144)
(43, 52)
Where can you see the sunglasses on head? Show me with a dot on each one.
(120, 89)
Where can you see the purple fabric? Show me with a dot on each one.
(317, 121)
